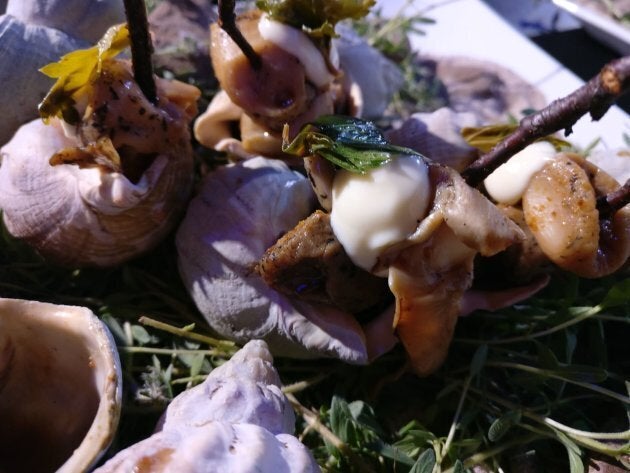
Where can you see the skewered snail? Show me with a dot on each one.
(107, 178)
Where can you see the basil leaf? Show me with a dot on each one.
(350, 143)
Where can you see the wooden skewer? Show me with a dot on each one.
(616, 200)
(141, 47)
(594, 97)
(227, 21)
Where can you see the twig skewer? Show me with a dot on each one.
(594, 97)
(141, 47)
(227, 21)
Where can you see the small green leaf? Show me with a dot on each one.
(140, 334)
(503, 424)
(196, 364)
(546, 357)
(458, 467)
(425, 462)
(618, 295)
(583, 374)
(350, 143)
(478, 360)
(573, 451)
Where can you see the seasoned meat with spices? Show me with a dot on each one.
(309, 262)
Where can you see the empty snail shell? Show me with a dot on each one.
(60, 387)
(237, 420)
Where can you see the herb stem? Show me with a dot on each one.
(186, 333)
(302, 385)
(588, 313)
(312, 419)
(625, 435)
(480, 457)
(443, 451)
(169, 351)
(552, 374)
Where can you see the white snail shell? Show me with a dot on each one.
(237, 420)
(25, 48)
(60, 387)
(86, 217)
(241, 211)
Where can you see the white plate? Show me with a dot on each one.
(471, 28)
(599, 25)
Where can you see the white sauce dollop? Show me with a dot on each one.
(508, 182)
(297, 43)
(375, 210)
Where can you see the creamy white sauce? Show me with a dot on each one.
(373, 211)
(508, 182)
(297, 43)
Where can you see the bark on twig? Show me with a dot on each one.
(594, 97)
(141, 47)
(609, 204)
(227, 21)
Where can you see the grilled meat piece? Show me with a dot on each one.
(308, 262)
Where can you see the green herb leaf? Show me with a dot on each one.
(575, 454)
(458, 467)
(503, 424)
(487, 137)
(425, 462)
(618, 295)
(318, 17)
(350, 143)
(75, 71)
(478, 360)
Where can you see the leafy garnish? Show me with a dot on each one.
(317, 17)
(487, 137)
(74, 72)
(350, 143)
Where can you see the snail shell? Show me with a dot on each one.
(252, 203)
(90, 216)
(60, 387)
(82, 19)
(237, 420)
(24, 48)
(85, 217)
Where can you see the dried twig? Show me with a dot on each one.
(609, 204)
(227, 21)
(141, 47)
(594, 97)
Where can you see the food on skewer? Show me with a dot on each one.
(110, 173)
(298, 75)
(269, 290)
(34, 33)
(555, 197)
